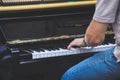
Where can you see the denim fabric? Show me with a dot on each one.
(101, 66)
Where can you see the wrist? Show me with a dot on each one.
(85, 42)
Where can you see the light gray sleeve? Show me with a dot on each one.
(106, 11)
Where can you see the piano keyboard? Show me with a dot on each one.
(46, 53)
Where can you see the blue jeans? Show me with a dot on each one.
(101, 66)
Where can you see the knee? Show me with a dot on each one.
(67, 76)
(63, 77)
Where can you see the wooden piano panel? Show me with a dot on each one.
(25, 30)
(72, 26)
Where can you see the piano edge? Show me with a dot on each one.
(46, 6)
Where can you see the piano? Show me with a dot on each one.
(34, 35)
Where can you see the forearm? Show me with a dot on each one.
(95, 33)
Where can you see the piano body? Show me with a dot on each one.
(34, 37)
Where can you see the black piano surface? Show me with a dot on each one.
(41, 28)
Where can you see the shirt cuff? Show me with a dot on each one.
(103, 20)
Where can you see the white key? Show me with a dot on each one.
(65, 52)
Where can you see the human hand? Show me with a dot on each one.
(76, 42)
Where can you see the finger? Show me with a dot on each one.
(70, 45)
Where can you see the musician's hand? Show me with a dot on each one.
(76, 42)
